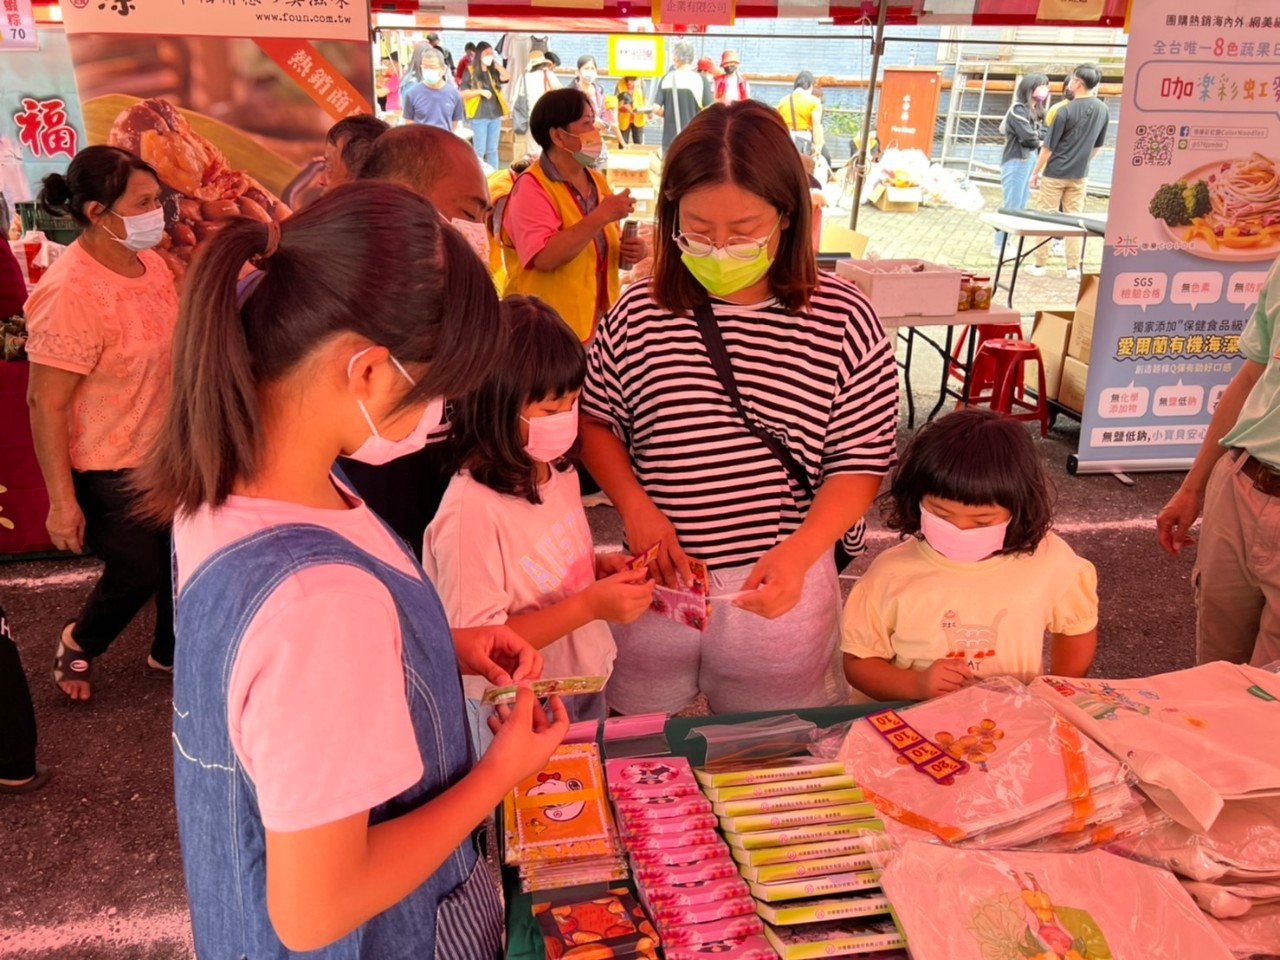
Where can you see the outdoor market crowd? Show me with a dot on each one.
(366, 470)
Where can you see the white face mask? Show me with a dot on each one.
(486, 60)
(962, 546)
(551, 437)
(142, 231)
(377, 449)
(432, 77)
(477, 235)
(588, 76)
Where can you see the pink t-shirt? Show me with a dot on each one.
(493, 557)
(316, 704)
(118, 332)
(531, 219)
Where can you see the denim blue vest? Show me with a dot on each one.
(455, 914)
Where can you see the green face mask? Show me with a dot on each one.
(723, 275)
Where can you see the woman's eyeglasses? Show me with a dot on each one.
(737, 248)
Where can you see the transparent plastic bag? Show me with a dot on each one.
(755, 741)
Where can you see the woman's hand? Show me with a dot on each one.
(607, 564)
(621, 598)
(646, 526)
(486, 94)
(498, 654)
(66, 526)
(634, 250)
(777, 580)
(524, 737)
(616, 206)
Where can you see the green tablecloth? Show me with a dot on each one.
(523, 939)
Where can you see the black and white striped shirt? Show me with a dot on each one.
(824, 381)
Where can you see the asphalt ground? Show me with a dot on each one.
(90, 867)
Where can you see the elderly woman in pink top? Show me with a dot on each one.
(101, 325)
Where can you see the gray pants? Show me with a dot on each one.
(743, 662)
(1237, 575)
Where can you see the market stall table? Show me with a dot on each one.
(1043, 229)
(524, 940)
(909, 332)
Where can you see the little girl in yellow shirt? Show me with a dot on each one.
(981, 577)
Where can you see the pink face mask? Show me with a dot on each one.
(962, 546)
(378, 449)
(551, 437)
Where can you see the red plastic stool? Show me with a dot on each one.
(984, 374)
(1007, 358)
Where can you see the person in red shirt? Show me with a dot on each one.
(13, 285)
(731, 86)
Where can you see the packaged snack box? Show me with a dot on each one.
(824, 909)
(779, 788)
(803, 835)
(789, 770)
(841, 938)
(802, 801)
(815, 886)
(637, 779)
(705, 934)
(798, 853)
(811, 868)
(785, 820)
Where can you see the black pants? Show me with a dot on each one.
(633, 134)
(17, 718)
(137, 566)
(382, 104)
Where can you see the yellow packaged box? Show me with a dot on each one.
(796, 853)
(826, 867)
(794, 818)
(815, 886)
(796, 769)
(823, 910)
(810, 834)
(747, 808)
(779, 788)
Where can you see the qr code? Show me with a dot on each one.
(1153, 146)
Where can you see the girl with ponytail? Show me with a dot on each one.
(325, 789)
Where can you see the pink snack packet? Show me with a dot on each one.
(660, 875)
(699, 891)
(675, 915)
(706, 934)
(662, 808)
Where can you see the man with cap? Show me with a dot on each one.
(434, 39)
(731, 85)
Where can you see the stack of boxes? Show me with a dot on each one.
(805, 840)
(638, 169)
(1065, 338)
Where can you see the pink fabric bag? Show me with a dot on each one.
(978, 905)
(1195, 738)
(1019, 760)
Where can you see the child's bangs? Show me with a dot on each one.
(557, 364)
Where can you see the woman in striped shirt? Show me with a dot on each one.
(814, 370)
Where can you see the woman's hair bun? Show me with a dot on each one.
(55, 194)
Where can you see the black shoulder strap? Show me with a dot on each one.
(711, 339)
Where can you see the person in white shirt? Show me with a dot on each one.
(510, 544)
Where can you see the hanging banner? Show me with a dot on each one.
(695, 13)
(1194, 225)
(308, 19)
(19, 31)
(1075, 10)
(235, 126)
(42, 128)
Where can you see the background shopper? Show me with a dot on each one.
(1024, 132)
(481, 83)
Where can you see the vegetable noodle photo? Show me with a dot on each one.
(1230, 211)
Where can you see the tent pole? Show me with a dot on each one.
(864, 138)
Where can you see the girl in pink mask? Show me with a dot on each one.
(981, 578)
(510, 543)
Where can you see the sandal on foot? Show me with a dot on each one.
(157, 670)
(71, 665)
(42, 777)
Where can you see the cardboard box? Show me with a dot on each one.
(897, 199)
(1052, 333)
(1086, 310)
(932, 291)
(1075, 376)
(838, 238)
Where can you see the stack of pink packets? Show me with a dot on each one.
(682, 867)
